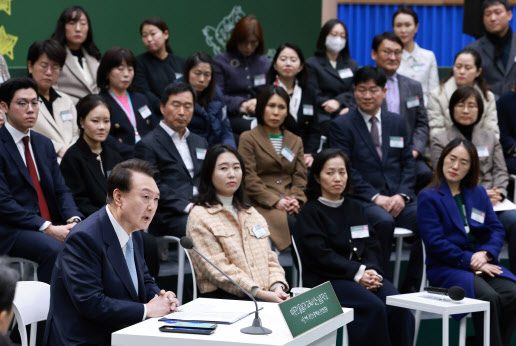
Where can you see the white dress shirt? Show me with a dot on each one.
(378, 117)
(123, 238)
(421, 66)
(184, 151)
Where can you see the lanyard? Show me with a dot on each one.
(130, 115)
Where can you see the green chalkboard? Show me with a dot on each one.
(194, 24)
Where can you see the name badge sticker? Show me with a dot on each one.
(358, 232)
(201, 153)
(259, 231)
(288, 154)
(145, 112)
(478, 215)
(413, 102)
(396, 142)
(308, 110)
(482, 151)
(66, 115)
(418, 67)
(345, 73)
(259, 80)
(178, 75)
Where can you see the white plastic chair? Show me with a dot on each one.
(180, 264)
(23, 262)
(30, 305)
(399, 234)
(299, 281)
(193, 275)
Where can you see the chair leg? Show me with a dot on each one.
(33, 332)
(418, 323)
(180, 273)
(397, 262)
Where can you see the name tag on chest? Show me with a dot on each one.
(358, 232)
(308, 110)
(418, 67)
(259, 231)
(201, 153)
(288, 154)
(345, 73)
(259, 80)
(478, 215)
(482, 151)
(396, 142)
(66, 115)
(145, 112)
(413, 102)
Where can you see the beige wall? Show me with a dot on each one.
(329, 10)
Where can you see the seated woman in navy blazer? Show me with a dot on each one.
(288, 71)
(336, 243)
(131, 113)
(331, 72)
(463, 238)
(210, 118)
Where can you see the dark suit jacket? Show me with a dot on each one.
(82, 173)
(328, 251)
(122, 130)
(306, 126)
(500, 78)
(327, 83)
(91, 293)
(448, 248)
(175, 183)
(415, 117)
(394, 174)
(18, 197)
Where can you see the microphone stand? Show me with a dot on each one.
(256, 328)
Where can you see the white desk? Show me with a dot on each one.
(433, 303)
(147, 333)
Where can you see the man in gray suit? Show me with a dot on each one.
(497, 47)
(404, 96)
(178, 154)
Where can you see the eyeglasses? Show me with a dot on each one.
(23, 104)
(396, 53)
(468, 106)
(44, 67)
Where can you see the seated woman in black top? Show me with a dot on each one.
(88, 163)
(158, 67)
(331, 72)
(132, 115)
(210, 119)
(336, 243)
(288, 71)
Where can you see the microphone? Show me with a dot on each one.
(256, 328)
(454, 292)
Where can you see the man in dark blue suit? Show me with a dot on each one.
(405, 97)
(380, 151)
(36, 207)
(178, 154)
(100, 283)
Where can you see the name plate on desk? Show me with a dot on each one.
(310, 309)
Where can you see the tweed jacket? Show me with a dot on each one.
(61, 127)
(271, 177)
(493, 170)
(439, 118)
(72, 81)
(232, 246)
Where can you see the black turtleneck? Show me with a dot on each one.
(502, 46)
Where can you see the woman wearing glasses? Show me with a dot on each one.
(57, 118)
(467, 70)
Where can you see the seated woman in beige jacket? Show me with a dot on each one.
(466, 71)
(57, 118)
(231, 234)
(275, 166)
(467, 109)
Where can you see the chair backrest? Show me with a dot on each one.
(23, 262)
(193, 275)
(31, 303)
(300, 266)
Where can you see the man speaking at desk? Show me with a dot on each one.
(100, 282)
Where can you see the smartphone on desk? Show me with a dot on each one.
(191, 325)
(170, 329)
